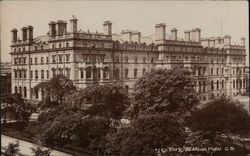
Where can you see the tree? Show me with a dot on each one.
(108, 100)
(15, 104)
(145, 134)
(162, 90)
(13, 148)
(219, 122)
(39, 150)
(161, 102)
(55, 90)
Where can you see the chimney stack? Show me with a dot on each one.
(136, 36)
(187, 35)
(24, 33)
(211, 43)
(52, 29)
(160, 32)
(227, 40)
(14, 35)
(61, 27)
(29, 33)
(126, 35)
(243, 41)
(73, 24)
(107, 28)
(174, 34)
(196, 34)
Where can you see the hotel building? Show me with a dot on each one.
(219, 68)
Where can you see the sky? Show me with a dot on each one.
(215, 18)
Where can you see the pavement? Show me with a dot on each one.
(25, 146)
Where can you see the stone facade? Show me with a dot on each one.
(219, 68)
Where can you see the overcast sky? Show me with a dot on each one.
(210, 16)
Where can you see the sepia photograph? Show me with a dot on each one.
(124, 78)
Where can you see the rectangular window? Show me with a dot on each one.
(47, 74)
(233, 83)
(35, 60)
(217, 71)
(68, 73)
(36, 74)
(82, 75)
(136, 59)
(24, 60)
(30, 60)
(126, 59)
(152, 59)
(31, 74)
(212, 85)
(15, 73)
(42, 74)
(67, 58)
(60, 58)
(126, 73)
(144, 59)
(54, 58)
(24, 74)
(116, 58)
(47, 59)
(212, 71)
(41, 60)
(143, 71)
(222, 70)
(135, 72)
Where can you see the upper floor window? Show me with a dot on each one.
(60, 45)
(217, 84)
(152, 59)
(35, 60)
(116, 58)
(53, 46)
(67, 57)
(23, 48)
(31, 74)
(35, 48)
(47, 59)
(212, 85)
(143, 71)
(14, 49)
(41, 60)
(212, 71)
(136, 59)
(218, 71)
(144, 59)
(135, 72)
(30, 60)
(60, 58)
(126, 59)
(68, 73)
(126, 73)
(47, 74)
(41, 47)
(67, 44)
(42, 74)
(53, 58)
(36, 74)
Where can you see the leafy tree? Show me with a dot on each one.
(161, 102)
(13, 148)
(220, 116)
(15, 104)
(221, 122)
(164, 91)
(145, 134)
(55, 90)
(108, 100)
(39, 150)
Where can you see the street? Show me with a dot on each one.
(25, 146)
